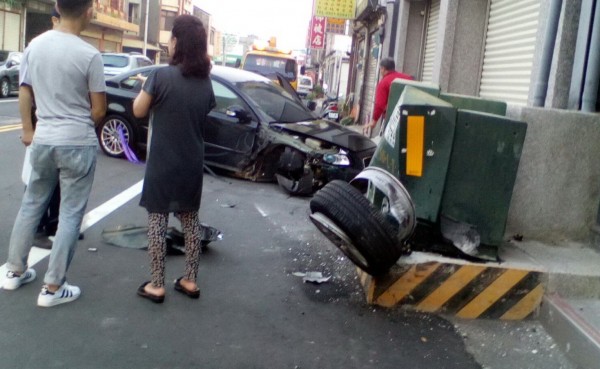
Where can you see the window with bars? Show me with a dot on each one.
(166, 20)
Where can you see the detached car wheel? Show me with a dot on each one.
(109, 136)
(4, 88)
(348, 219)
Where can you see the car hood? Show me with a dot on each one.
(329, 132)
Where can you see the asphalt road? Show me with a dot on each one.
(253, 312)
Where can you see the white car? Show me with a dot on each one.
(305, 86)
(117, 63)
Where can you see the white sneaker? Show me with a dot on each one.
(65, 293)
(13, 281)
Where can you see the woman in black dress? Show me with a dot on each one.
(178, 98)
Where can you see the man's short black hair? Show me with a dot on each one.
(387, 64)
(73, 8)
(55, 12)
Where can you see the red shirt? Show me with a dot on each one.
(383, 91)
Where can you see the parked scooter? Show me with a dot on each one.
(329, 109)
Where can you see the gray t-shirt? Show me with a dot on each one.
(63, 69)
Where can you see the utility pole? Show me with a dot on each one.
(146, 27)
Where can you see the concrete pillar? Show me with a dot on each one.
(445, 43)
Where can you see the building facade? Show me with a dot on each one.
(540, 56)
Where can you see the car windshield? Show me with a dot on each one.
(268, 66)
(275, 102)
(115, 61)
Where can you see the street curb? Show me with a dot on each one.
(578, 339)
(454, 287)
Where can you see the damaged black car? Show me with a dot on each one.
(259, 130)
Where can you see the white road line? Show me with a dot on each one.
(111, 205)
(91, 218)
(261, 211)
(9, 100)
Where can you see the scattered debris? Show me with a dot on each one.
(518, 237)
(92, 249)
(313, 277)
(136, 237)
(228, 205)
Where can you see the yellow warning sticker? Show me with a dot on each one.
(415, 142)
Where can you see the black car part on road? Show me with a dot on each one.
(292, 175)
(350, 221)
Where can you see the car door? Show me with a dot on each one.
(14, 63)
(229, 140)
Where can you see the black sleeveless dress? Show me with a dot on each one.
(175, 159)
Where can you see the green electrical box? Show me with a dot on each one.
(457, 156)
(397, 88)
(416, 147)
(482, 172)
(475, 103)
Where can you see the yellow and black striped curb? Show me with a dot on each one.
(467, 291)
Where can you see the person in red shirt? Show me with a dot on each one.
(387, 71)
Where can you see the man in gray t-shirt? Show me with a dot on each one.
(65, 75)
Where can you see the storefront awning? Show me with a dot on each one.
(104, 20)
(139, 44)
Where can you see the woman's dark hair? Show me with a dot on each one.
(191, 49)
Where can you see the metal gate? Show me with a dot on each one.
(371, 77)
(359, 79)
(509, 50)
(433, 19)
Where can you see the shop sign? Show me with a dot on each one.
(335, 8)
(336, 25)
(317, 32)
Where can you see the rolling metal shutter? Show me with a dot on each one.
(11, 31)
(433, 20)
(371, 76)
(509, 50)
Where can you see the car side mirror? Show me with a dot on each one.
(9, 64)
(236, 111)
(238, 62)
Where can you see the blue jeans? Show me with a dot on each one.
(73, 167)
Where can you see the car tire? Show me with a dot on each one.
(366, 237)
(108, 136)
(4, 88)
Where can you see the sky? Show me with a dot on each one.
(288, 20)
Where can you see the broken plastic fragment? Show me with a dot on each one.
(315, 277)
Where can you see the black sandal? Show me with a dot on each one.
(154, 298)
(191, 294)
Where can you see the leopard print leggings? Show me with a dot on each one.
(157, 245)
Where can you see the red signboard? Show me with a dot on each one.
(317, 32)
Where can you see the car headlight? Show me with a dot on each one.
(337, 159)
